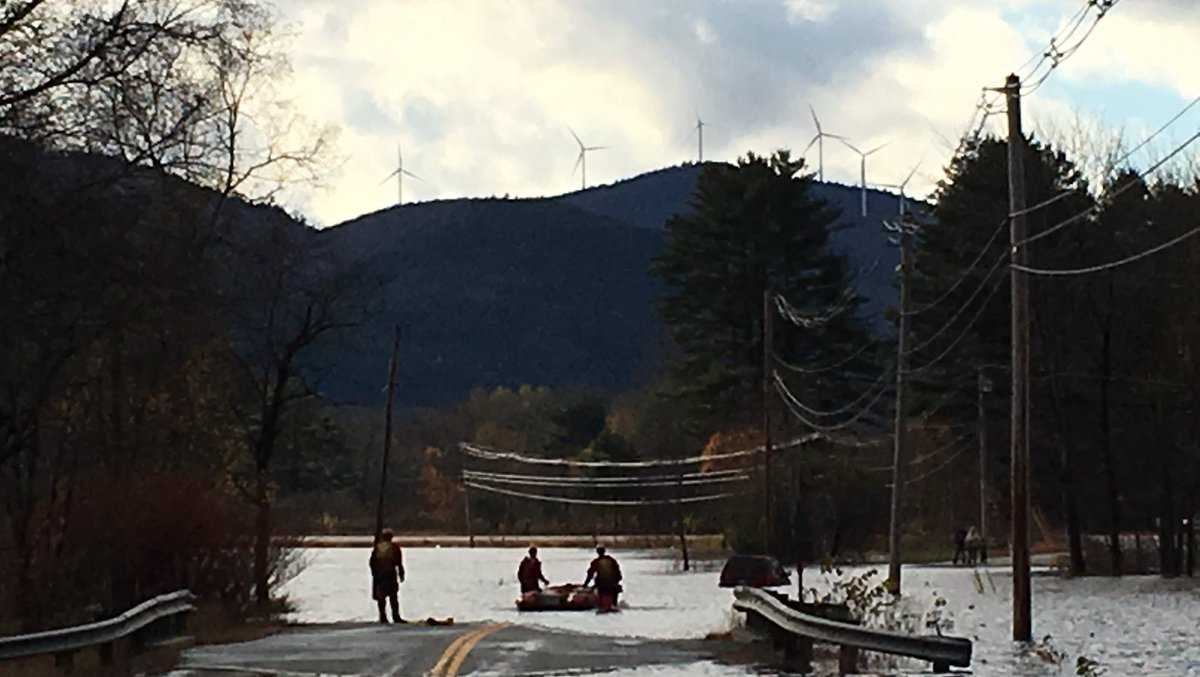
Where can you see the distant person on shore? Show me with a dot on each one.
(387, 573)
(529, 574)
(607, 573)
(974, 546)
(960, 545)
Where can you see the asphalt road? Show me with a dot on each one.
(446, 651)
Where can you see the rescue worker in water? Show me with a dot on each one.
(529, 574)
(607, 573)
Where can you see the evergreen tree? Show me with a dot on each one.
(753, 226)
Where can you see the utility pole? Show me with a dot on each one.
(1022, 623)
(387, 433)
(768, 332)
(467, 509)
(985, 386)
(899, 442)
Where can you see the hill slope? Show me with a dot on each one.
(553, 291)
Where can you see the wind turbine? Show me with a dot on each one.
(819, 139)
(901, 186)
(400, 173)
(862, 168)
(700, 137)
(581, 161)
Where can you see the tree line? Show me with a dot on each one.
(162, 317)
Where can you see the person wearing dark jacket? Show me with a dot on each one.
(529, 574)
(607, 573)
(387, 573)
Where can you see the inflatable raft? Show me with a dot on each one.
(568, 597)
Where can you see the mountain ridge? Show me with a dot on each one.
(551, 291)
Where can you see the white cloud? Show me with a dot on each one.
(481, 93)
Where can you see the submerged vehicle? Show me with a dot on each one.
(756, 571)
(567, 597)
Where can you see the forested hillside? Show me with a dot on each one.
(555, 291)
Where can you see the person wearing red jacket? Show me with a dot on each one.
(529, 574)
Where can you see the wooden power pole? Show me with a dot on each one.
(1022, 622)
(768, 330)
(899, 433)
(387, 434)
(985, 386)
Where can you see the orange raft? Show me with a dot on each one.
(568, 597)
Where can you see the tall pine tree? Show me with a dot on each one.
(754, 225)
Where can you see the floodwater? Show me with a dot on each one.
(1132, 626)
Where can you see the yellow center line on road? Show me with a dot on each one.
(451, 659)
(440, 666)
(466, 647)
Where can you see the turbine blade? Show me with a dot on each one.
(812, 143)
(909, 177)
(389, 177)
(595, 148)
(849, 145)
(408, 173)
(578, 161)
(575, 135)
(814, 116)
(877, 148)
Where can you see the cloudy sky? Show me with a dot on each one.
(480, 93)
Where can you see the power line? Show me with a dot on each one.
(924, 457)
(606, 502)
(614, 479)
(1057, 56)
(491, 454)
(928, 473)
(966, 273)
(983, 306)
(555, 482)
(1140, 176)
(1107, 266)
(794, 406)
(829, 367)
(958, 313)
(851, 405)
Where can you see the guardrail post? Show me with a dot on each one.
(797, 653)
(847, 660)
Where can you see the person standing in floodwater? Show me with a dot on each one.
(529, 574)
(607, 573)
(387, 573)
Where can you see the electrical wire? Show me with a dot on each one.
(1106, 266)
(606, 502)
(829, 367)
(923, 457)
(552, 482)
(935, 470)
(793, 315)
(491, 454)
(983, 306)
(891, 371)
(795, 407)
(1109, 197)
(1057, 56)
(966, 273)
(958, 313)
(615, 479)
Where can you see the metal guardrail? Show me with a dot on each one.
(943, 652)
(100, 632)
